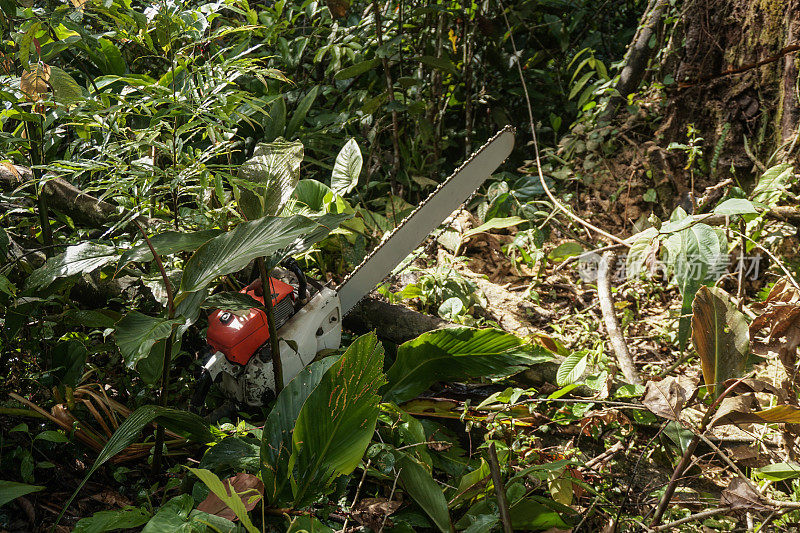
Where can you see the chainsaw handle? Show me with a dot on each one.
(291, 264)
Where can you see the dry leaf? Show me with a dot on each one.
(372, 512)
(12, 169)
(35, 83)
(735, 410)
(666, 398)
(720, 336)
(338, 7)
(245, 485)
(741, 495)
(749, 385)
(79, 4)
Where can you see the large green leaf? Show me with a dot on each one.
(347, 168)
(272, 237)
(720, 336)
(137, 333)
(11, 490)
(177, 516)
(276, 443)
(337, 420)
(167, 243)
(79, 259)
(454, 354)
(267, 180)
(183, 422)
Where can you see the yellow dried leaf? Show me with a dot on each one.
(35, 83)
(79, 4)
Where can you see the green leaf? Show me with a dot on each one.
(69, 358)
(356, 70)
(167, 243)
(52, 436)
(308, 524)
(11, 490)
(235, 454)
(735, 206)
(336, 422)
(565, 250)
(720, 336)
(272, 237)
(450, 308)
(571, 369)
(420, 485)
(312, 193)
(79, 259)
(276, 124)
(779, 471)
(300, 113)
(102, 521)
(232, 301)
(65, 89)
(455, 354)
(177, 516)
(126, 434)
(267, 180)
(137, 333)
(345, 173)
(441, 63)
(497, 223)
(771, 185)
(228, 496)
(276, 443)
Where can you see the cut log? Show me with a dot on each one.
(393, 323)
(68, 199)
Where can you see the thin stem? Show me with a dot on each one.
(499, 489)
(390, 94)
(36, 136)
(167, 362)
(547, 191)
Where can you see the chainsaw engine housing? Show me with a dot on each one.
(240, 337)
(241, 361)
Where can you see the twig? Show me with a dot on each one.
(358, 491)
(547, 191)
(772, 256)
(391, 495)
(499, 490)
(691, 518)
(687, 455)
(624, 359)
(609, 453)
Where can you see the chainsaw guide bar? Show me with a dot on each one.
(448, 197)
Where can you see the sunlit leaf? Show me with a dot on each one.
(79, 259)
(271, 237)
(347, 168)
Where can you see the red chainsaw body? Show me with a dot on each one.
(240, 337)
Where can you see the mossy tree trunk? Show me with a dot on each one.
(759, 104)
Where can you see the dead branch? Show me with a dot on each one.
(64, 197)
(624, 359)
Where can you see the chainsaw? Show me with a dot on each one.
(308, 315)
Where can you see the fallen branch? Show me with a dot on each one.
(624, 359)
(66, 198)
